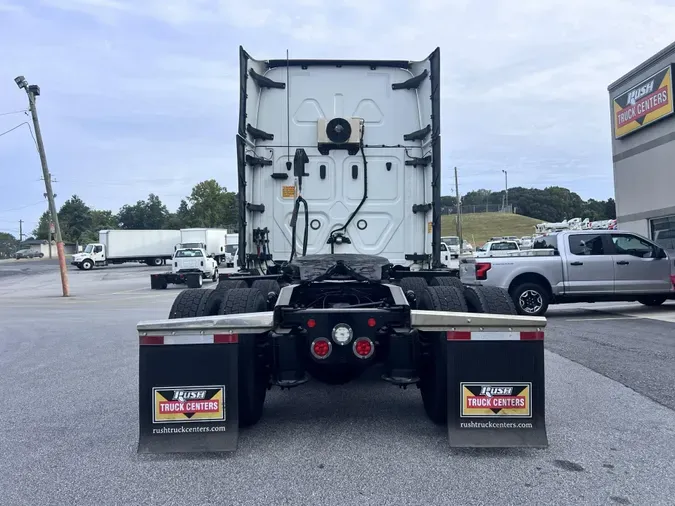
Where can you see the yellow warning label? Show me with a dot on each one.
(430, 227)
(288, 192)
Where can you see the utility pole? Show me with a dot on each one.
(33, 91)
(20, 231)
(506, 189)
(459, 212)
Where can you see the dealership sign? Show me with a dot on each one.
(644, 103)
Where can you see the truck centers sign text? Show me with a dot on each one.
(643, 104)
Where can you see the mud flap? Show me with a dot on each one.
(496, 392)
(188, 398)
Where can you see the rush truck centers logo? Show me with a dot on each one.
(489, 400)
(188, 404)
(644, 103)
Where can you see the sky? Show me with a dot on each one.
(140, 96)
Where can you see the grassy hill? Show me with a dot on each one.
(479, 227)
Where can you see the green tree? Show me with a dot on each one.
(75, 219)
(147, 214)
(210, 205)
(100, 220)
(42, 230)
(8, 245)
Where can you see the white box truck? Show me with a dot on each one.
(231, 249)
(212, 240)
(152, 247)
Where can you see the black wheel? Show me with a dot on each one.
(41, 255)
(87, 265)
(157, 262)
(531, 299)
(447, 281)
(415, 284)
(196, 302)
(228, 284)
(194, 280)
(652, 300)
(489, 299)
(266, 286)
(433, 369)
(253, 373)
(214, 278)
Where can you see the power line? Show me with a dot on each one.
(17, 126)
(13, 112)
(23, 207)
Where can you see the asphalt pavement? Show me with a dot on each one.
(69, 368)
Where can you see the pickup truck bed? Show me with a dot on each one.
(583, 266)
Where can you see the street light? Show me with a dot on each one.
(506, 189)
(33, 91)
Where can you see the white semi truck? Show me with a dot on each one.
(212, 240)
(152, 247)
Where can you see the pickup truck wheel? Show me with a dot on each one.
(433, 370)
(193, 303)
(253, 373)
(214, 278)
(194, 280)
(489, 299)
(87, 265)
(531, 299)
(447, 281)
(653, 300)
(415, 284)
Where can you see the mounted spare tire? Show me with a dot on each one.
(254, 374)
(433, 371)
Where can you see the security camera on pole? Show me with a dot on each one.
(33, 91)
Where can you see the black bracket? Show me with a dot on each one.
(279, 175)
(265, 82)
(352, 148)
(411, 84)
(421, 208)
(417, 135)
(338, 238)
(419, 161)
(259, 134)
(252, 257)
(257, 161)
(418, 258)
(256, 208)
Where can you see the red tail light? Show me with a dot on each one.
(363, 347)
(672, 280)
(372, 322)
(321, 348)
(311, 323)
(481, 270)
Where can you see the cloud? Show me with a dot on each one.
(139, 89)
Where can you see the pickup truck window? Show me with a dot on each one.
(626, 244)
(546, 242)
(188, 253)
(586, 244)
(504, 246)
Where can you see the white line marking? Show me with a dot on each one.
(590, 319)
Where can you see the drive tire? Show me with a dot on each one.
(433, 370)
(531, 299)
(489, 299)
(415, 284)
(266, 286)
(156, 262)
(652, 300)
(253, 372)
(447, 281)
(229, 284)
(195, 302)
(87, 265)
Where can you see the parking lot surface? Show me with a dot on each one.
(69, 427)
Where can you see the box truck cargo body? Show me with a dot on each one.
(213, 240)
(152, 247)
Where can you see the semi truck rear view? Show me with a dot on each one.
(339, 169)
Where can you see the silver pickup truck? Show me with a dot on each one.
(583, 266)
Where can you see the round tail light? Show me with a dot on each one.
(321, 348)
(363, 347)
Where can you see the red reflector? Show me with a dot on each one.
(371, 322)
(225, 338)
(532, 336)
(321, 348)
(151, 340)
(458, 336)
(363, 347)
(311, 323)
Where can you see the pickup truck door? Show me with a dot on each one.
(589, 265)
(445, 255)
(637, 267)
